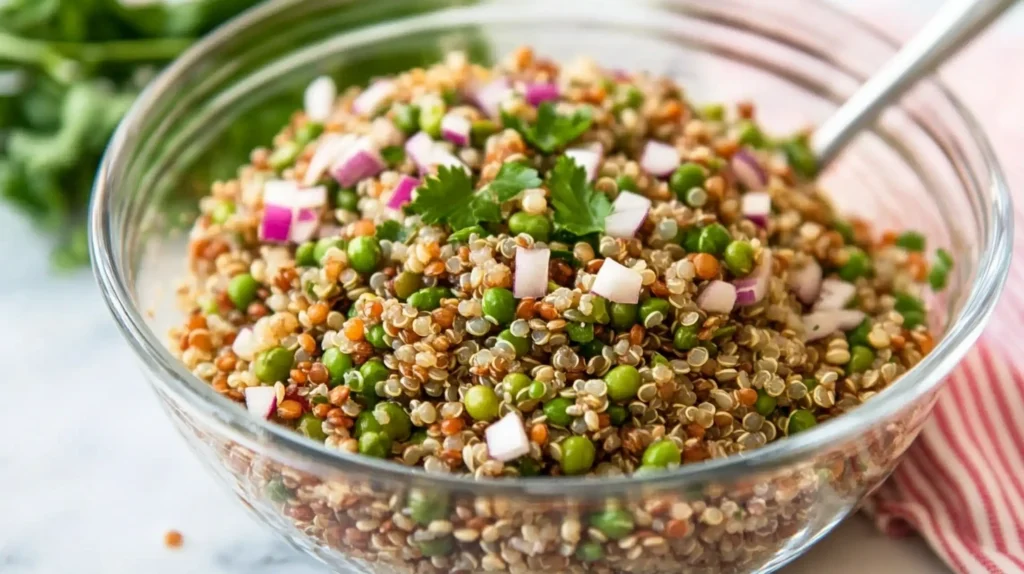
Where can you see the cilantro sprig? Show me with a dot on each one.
(579, 208)
(449, 197)
(551, 131)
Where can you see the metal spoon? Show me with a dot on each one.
(953, 27)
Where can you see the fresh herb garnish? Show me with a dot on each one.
(392, 231)
(449, 197)
(551, 131)
(579, 208)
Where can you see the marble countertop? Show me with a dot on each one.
(93, 476)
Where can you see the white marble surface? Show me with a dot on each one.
(92, 474)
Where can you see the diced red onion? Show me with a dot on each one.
(589, 158)
(261, 401)
(628, 213)
(718, 297)
(360, 161)
(748, 170)
(276, 224)
(531, 277)
(751, 289)
(245, 344)
(372, 97)
(455, 128)
(403, 192)
(806, 282)
(617, 283)
(419, 148)
(506, 439)
(537, 94)
(757, 206)
(821, 324)
(490, 96)
(835, 294)
(330, 148)
(304, 225)
(319, 99)
(659, 159)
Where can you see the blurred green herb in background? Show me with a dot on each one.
(69, 69)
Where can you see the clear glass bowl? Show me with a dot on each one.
(926, 166)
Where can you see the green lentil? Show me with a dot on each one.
(578, 454)
(364, 254)
(661, 453)
(651, 306)
(614, 523)
(618, 415)
(554, 410)
(273, 365)
(312, 427)
(739, 258)
(426, 507)
(399, 426)
(580, 332)
(375, 444)
(860, 359)
(858, 264)
(537, 390)
(685, 177)
(429, 298)
(623, 315)
(685, 337)
(500, 305)
(406, 284)
(337, 364)
(348, 200)
(375, 336)
(713, 239)
(242, 290)
(536, 226)
(590, 551)
(765, 404)
(520, 344)
(481, 403)
(304, 255)
(801, 420)
(911, 241)
(623, 382)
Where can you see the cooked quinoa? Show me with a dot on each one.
(542, 270)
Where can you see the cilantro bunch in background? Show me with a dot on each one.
(69, 70)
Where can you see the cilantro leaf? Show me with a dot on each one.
(448, 197)
(392, 231)
(579, 208)
(551, 131)
(513, 178)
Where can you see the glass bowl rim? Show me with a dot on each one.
(175, 379)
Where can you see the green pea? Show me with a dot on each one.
(480, 130)
(691, 240)
(418, 436)
(348, 200)
(724, 332)
(938, 277)
(520, 344)
(273, 365)
(463, 235)
(623, 315)
(800, 420)
(393, 155)
(578, 454)
(845, 230)
(406, 118)
(944, 258)
(623, 382)
(308, 132)
(242, 290)
(618, 415)
(911, 241)
(437, 547)
(399, 425)
(860, 359)
(481, 403)
(912, 319)
(685, 337)
(686, 177)
(376, 337)
(554, 410)
(430, 119)
(529, 467)
(536, 226)
(537, 390)
(906, 302)
(590, 551)
(859, 334)
(765, 404)
(800, 157)
(406, 284)
(625, 183)
(661, 453)
(631, 96)
(580, 332)
(222, 212)
(210, 307)
(284, 156)
(751, 135)
(810, 383)
(364, 254)
(304, 255)
(366, 422)
(713, 112)
(858, 264)
(739, 258)
(593, 348)
(325, 244)
(375, 444)
(312, 427)
(500, 305)
(337, 364)
(651, 306)
(426, 507)
(429, 298)
(276, 491)
(599, 311)
(713, 239)
(614, 523)
(659, 359)
(373, 372)
(514, 383)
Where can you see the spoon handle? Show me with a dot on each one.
(952, 27)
